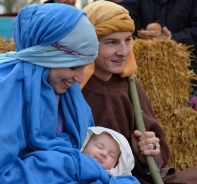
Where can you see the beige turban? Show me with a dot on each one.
(108, 17)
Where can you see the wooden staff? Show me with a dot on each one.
(139, 122)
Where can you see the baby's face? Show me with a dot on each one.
(104, 149)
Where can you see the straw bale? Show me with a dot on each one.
(6, 45)
(163, 72)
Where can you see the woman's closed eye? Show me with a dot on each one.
(73, 68)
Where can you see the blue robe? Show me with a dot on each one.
(30, 150)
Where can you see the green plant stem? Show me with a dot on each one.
(154, 171)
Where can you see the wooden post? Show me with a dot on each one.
(154, 171)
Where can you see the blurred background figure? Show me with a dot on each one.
(178, 20)
(70, 2)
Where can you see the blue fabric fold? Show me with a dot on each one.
(34, 23)
(30, 150)
(29, 116)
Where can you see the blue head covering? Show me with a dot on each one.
(44, 24)
(36, 28)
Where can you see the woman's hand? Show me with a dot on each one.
(145, 144)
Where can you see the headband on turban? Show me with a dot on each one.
(108, 17)
(126, 160)
(53, 36)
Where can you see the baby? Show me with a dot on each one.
(110, 149)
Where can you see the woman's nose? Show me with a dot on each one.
(79, 76)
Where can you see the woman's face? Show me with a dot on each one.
(61, 79)
(114, 50)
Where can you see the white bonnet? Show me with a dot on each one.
(126, 160)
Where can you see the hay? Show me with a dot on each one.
(6, 45)
(163, 72)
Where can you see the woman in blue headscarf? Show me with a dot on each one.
(43, 115)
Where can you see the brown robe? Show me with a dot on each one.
(112, 108)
